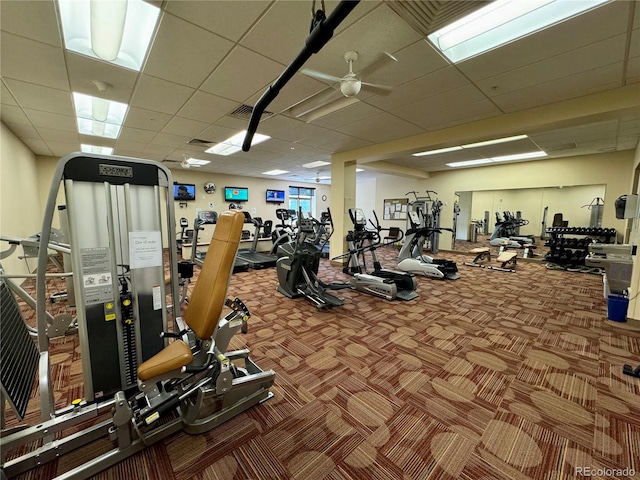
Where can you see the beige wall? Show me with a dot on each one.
(20, 207)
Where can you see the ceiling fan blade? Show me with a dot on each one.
(320, 75)
(383, 59)
(374, 88)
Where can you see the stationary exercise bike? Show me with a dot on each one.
(298, 263)
(412, 259)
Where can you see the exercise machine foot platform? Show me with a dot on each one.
(193, 383)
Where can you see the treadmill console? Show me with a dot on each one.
(207, 217)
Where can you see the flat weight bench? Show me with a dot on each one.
(507, 258)
(482, 254)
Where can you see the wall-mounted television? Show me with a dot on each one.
(275, 196)
(236, 194)
(184, 191)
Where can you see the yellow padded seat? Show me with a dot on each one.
(176, 355)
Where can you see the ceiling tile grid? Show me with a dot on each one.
(209, 57)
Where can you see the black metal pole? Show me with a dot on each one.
(317, 39)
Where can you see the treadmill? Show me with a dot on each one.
(255, 259)
(209, 217)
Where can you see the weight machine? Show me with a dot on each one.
(137, 387)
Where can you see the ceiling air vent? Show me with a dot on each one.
(244, 112)
(428, 16)
(561, 146)
(199, 141)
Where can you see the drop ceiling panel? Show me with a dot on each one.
(14, 114)
(146, 119)
(5, 96)
(350, 114)
(37, 97)
(22, 131)
(431, 85)
(51, 120)
(137, 135)
(31, 61)
(286, 26)
(170, 140)
(394, 131)
(458, 115)
(159, 150)
(551, 69)
(227, 19)
(184, 126)
(183, 53)
(282, 127)
(60, 149)
(604, 22)
(348, 143)
(573, 86)
(129, 146)
(84, 70)
(237, 124)
(376, 121)
(37, 146)
(217, 133)
(205, 107)
(242, 74)
(32, 19)
(414, 61)
(427, 111)
(160, 95)
(49, 134)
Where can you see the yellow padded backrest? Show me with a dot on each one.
(210, 291)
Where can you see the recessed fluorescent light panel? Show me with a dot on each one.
(471, 145)
(275, 172)
(97, 116)
(319, 163)
(434, 152)
(505, 158)
(501, 22)
(234, 144)
(468, 163)
(196, 162)
(359, 170)
(96, 149)
(115, 31)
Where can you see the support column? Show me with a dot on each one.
(343, 197)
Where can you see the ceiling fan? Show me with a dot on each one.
(318, 178)
(350, 84)
(346, 88)
(184, 163)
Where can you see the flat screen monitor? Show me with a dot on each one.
(275, 196)
(184, 191)
(236, 194)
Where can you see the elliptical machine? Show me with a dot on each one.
(412, 259)
(388, 284)
(506, 231)
(298, 263)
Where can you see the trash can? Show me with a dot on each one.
(473, 233)
(617, 308)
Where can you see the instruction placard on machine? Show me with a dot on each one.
(96, 275)
(145, 249)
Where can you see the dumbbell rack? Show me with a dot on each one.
(571, 251)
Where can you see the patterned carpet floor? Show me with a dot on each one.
(493, 376)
